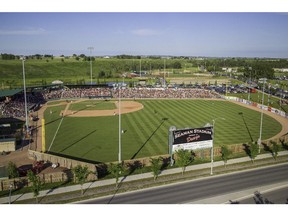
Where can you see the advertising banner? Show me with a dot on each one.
(193, 138)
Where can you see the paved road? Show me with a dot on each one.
(274, 196)
(218, 189)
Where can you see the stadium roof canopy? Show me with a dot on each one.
(8, 93)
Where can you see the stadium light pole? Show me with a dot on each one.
(212, 149)
(249, 84)
(164, 72)
(119, 111)
(90, 48)
(140, 66)
(25, 99)
(119, 118)
(262, 80)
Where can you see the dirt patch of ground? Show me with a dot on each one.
(19, 157)
(125, 107)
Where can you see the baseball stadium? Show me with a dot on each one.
(95, 124)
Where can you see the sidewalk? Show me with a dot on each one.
(131, 178)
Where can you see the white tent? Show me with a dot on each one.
(57, 82)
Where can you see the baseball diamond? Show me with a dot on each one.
(145, 124)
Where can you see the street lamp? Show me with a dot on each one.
(261, 80)
(212, 149)
(90, 48)
(25, 99)
(10, 189)
(249, 84)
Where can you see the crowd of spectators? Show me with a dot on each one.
(164, 93)
(14, 107)
(76, 93)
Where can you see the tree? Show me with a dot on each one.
(12, 170)
(36, 184)
(259, 70)
(183, 158)
(6, 56)
(156, 166)
(101, 74)
(116, 170)
(225, 154)
(253, 151)
(81, 173)
(275, 149)
(177, 65)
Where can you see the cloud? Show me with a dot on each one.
(28, 31)
(145, 32)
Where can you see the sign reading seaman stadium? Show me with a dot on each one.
(192, 139)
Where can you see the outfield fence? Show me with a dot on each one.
(260, 106)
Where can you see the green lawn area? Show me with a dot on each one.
(146, 131)
(93, 105)
(268, 100)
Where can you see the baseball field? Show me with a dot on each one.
(89, 129)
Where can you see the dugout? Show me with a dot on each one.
(9, 126)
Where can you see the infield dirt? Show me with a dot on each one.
(125, 107)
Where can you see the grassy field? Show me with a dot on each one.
(268, 100)
(146, 131)
(72, 71)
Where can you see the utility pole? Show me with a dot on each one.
(90, 48)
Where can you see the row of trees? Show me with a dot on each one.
(6, 56)
(186, 157)
(258, 70)
(213, 62)
(183, 159)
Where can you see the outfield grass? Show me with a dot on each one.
(146, 131)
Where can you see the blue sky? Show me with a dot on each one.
(214, 34)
